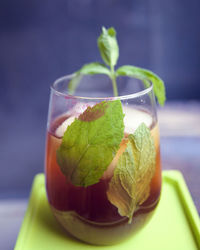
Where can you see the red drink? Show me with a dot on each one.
(87, 213)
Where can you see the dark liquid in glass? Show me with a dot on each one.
(86, 213)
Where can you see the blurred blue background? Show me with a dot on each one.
(43, 40)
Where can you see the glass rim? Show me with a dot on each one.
(122, 97)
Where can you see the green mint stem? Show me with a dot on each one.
(114, 83)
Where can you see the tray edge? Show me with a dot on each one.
(190, 210)
(38, 181)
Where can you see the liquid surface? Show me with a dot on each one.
(87, 213)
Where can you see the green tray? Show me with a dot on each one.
(175, 225)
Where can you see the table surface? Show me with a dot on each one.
(180, 150)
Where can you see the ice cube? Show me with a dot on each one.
(79, 108)
(133, 118)
(63, 127)
(74, 112)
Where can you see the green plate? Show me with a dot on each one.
(175, 225)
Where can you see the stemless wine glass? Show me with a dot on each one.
(87, 213)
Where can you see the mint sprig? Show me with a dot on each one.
(109, 50)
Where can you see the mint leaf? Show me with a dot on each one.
(94, 68)
(87, 69)
(130, 184)
(108, 46)
(144, 75)
(91, 142)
